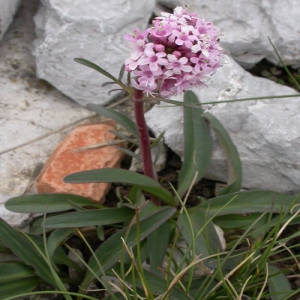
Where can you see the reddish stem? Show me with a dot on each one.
(144, 138)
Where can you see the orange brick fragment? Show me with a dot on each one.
(65, 161)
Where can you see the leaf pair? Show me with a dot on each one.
(198, 148)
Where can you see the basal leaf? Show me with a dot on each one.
(109, 252)
(41, 203)
(279, 285)
(86, 218)
(18, 287)
(21, 247)
(242, 222)
(233, 158)
(204, 236)
(143, 182)
(56, 238)
(14, 270)
(157, 243)
(197, 146)
(250, 202)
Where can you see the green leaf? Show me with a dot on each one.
(197, 146)
(14, 270)
(125, 137)
(241, 222)
(121, 73)
(103, 72)
(249, 202)
(130, 153)
(233, 158)
(205, 238)
(86, 218)
(49, 203)
(56, 238)
(279, 285)
(136, 197)
(145, 183)
(118, 117)
(109, 252)
(157, 243)
(157, 285)
(21, 247)
(18, 287)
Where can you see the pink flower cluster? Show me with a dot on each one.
(179, 52)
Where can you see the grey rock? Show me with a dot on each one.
(7, 10)
(248, 24)
(265, 132)
(34, 117)
(93, 30)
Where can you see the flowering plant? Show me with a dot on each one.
(158, 251)
(179, 52)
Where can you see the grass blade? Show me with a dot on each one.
(291, 77)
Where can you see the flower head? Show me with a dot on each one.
(179, 52)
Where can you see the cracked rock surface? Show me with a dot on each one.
(34, 117)
(265, 132)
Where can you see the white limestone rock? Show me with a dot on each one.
(30, 109)
(93, 30)
(7, 10)
(265, 132)
(248, 24)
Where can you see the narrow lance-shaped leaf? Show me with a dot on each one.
(90, 218)
(15, 289)
(145, 183)
(157, 243)
(233, 158)
(109, 252)
(25, 251)
(14, 270)
(278, 284)
(118, 117)
(56, 238)
(41, 203)
(197, 146)
(205, 237)
(102, 71)
(250, 202)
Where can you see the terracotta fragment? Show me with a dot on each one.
(66, 159)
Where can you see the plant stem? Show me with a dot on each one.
(144, 138)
